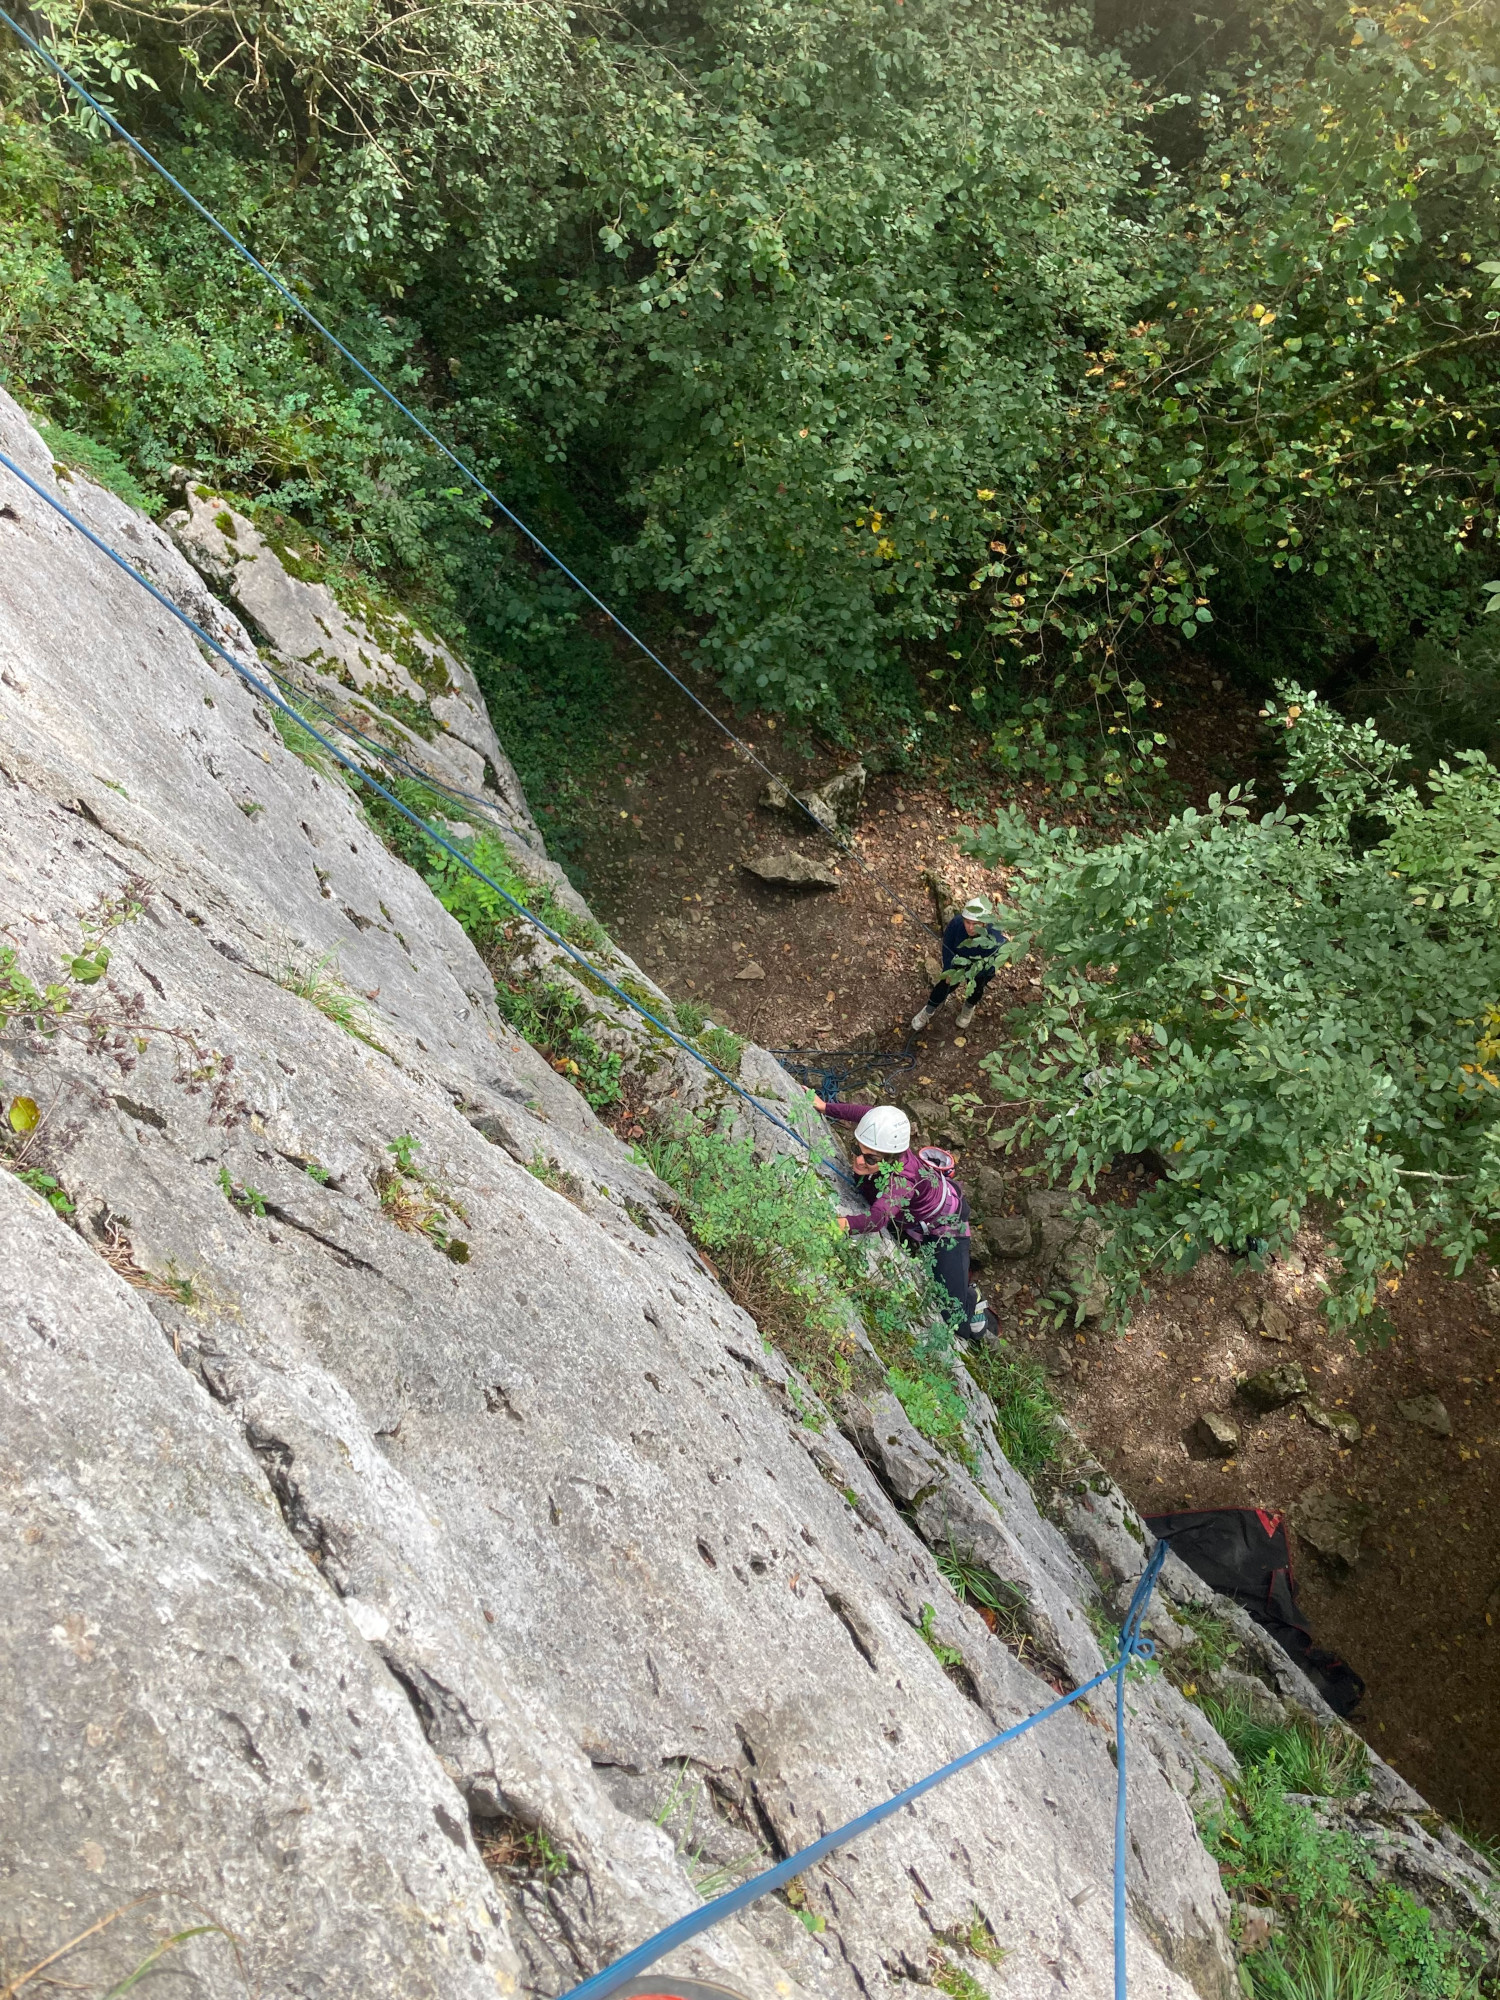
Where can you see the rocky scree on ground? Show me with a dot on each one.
(420, 1574)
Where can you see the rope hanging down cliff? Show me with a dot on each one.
(304, 311)
(1132, 1647)
(347, 763)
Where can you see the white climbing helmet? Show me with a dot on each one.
(884, 1130)
(979, 909)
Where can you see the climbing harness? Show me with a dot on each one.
(304, 311)
(1133, 1646)
(348, 763)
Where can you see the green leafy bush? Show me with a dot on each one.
(902, 348)
(1296, 1014)
(554, 1018)
(1343, 1934)
(934, 1407)
(772, 1231)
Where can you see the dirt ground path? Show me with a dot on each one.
(1418, 1613)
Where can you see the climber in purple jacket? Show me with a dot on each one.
(911, 1193)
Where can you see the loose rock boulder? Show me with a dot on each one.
(1010, 1236)
(835, 803)
(788, 869)
(1340, 1424)
(1331, 1523)
(1218, 1434)
(1275, 1322)
(1274, 1388)
(1427, 1413)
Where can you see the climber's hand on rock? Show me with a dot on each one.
(819, 1103)
(844, 1223)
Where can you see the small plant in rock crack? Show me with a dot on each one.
(1026, 1411)
(320, 982)
(418, 1203)
(48, 1187)
(555, 1018)
(946, 1656)
(690, 1017)
(301, 741)
(550, 1174)
(1213, 1646)
(248, 1200)
(796, 1895)
(511, 1849)
(316, 1171)
(973, 1584)
(119, 1253)
(810, 1416)
(978, 1938)
(952, 1979)
(723, 1048)
(1309, 1759)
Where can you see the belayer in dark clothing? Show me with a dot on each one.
(915, 1194)
(969, 946)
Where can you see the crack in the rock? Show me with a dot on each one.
(350, 1258)
(838, 1604)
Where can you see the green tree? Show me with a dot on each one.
(1298, 1014)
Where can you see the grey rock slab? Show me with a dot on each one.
(786, 869)
(956, 1513)
(191, 1705)
(545, 1512)
(377, 653)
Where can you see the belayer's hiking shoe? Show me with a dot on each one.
(966, 1013)
(919, 1021)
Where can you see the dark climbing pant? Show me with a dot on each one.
(945, 990)
(950, 1265)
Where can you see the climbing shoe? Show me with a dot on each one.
(966, 1013)
(919, 1021)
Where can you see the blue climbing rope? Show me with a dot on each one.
(448, 847)
(827, 1071)
(1132, 1647)
(306, 312)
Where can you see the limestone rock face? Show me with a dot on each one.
(369, 662)
(401, 1520)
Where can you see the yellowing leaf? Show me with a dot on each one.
(24, 1116)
